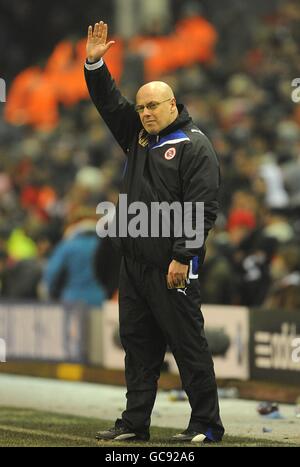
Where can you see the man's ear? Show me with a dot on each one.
(173, 102)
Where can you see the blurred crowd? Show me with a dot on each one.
(52, 181)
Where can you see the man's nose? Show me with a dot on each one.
(146, 111)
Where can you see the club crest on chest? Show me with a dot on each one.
(170, 153)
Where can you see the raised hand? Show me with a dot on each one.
(96, 45)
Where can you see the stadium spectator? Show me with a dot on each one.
(217, 276)
(284, 294)
(69, 274)
(21, 279)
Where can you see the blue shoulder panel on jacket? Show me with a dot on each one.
(172, 138)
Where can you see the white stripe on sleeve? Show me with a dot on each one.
(94, 66)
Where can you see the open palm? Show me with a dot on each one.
(97, 44)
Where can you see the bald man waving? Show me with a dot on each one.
(168, 160)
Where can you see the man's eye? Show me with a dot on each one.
(152, 106)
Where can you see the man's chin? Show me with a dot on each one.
(151, 130)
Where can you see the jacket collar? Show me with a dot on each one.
(182, 120)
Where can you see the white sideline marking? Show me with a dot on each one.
(42, 433)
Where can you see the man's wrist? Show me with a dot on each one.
(91, 60)
(181, 259)
(93, 66)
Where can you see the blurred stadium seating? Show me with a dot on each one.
(232, 68)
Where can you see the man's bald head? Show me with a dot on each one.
(156, 118)
(159, 88)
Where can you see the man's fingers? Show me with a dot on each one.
(97, 29)
(179, 280)
(177, 275)
(100, 30)
(108, 46)
(104, 33)
(173, 281)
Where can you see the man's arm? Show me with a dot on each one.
(200, 178)
(200, 183)
(116, 111)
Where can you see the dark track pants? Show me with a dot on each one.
(151, 316)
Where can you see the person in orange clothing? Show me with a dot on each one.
(198, 38)
(64, 72)
(32, 101)
(36, 93)
(193, 41)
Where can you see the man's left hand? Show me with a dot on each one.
(177, 274)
